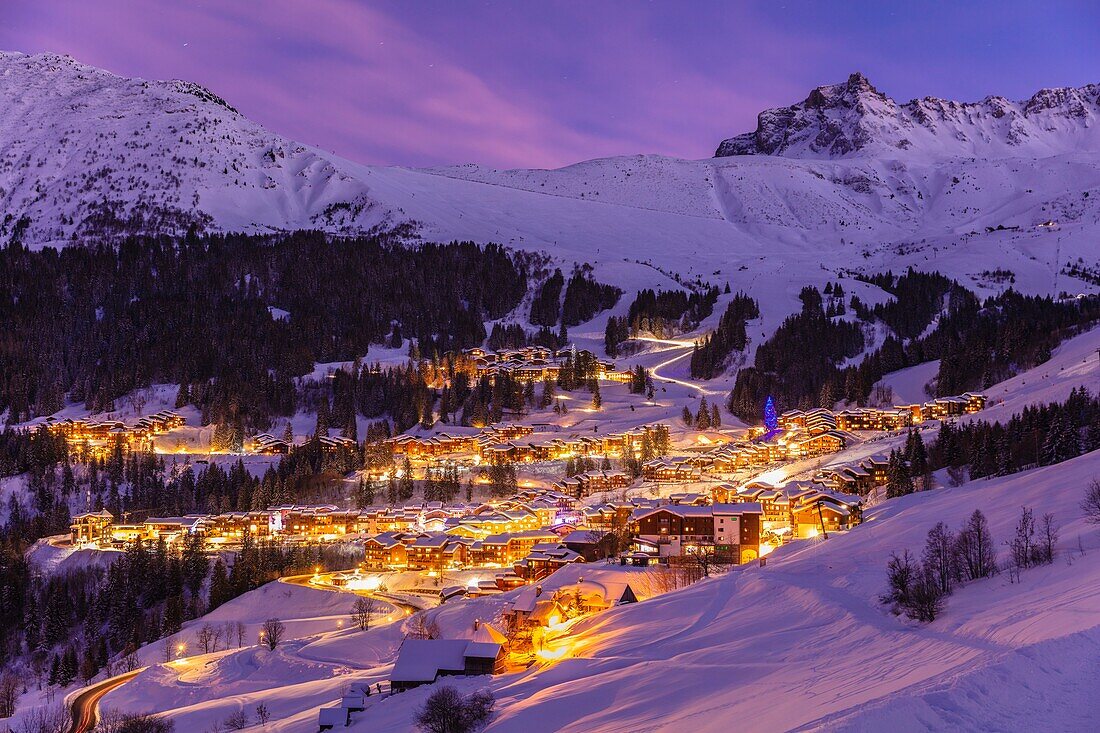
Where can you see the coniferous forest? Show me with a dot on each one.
(232, 318)
(977, 343)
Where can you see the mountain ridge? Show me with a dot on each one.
(853, 117)
(89, 155)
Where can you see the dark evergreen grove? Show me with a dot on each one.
(977, 343)
(661, 313)
(709, 356)
(71, 624)
(97, 322)
(798, 360)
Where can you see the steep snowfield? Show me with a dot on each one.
(86, 153)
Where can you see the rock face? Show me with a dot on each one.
(87, 155)
(854, 118)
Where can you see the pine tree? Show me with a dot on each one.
(898, 481)
(321, 428)
(687, 417)
(195, 563)
(702, 418)
(1061, 442)
(288, 433)
(406, 487)
(183, 396)
(597, 400)
(220, 589)
(715, 416)
(917, 458)
(55, 671)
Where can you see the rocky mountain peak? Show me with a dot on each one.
(854, 117)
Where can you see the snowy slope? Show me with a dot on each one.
(803, 645)
(86, 153)
(168, 155)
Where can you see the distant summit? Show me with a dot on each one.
(856, 118)
(88, 156)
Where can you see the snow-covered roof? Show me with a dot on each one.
(419, 660)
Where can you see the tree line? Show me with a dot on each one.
(93, 323)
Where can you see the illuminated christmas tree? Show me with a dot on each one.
(771, 420)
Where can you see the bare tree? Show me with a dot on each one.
(229, 630)
(708, 560)
(144, 723)
(362, 610)
(938, 557)
(447, 711)
(420, 626)
(241, 631)
(45, 719)
(1046, 548)
(262, 713)
(926, 598)
(237, 721)
(130, 662)
(272, 633)
(974, 549)
(216, 636)
(206, 638)
(1091, 503)
(9, 694)
(901, 575)
(1023, 543)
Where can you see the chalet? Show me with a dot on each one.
(591, 544)
(435, 552)
(594, 596)
(819, 420)
(384, 551)
(532, 607)
(591, 482)
(973, 402)
(732, 530)
(815, 510)
(91, 527)
(544, 559)
(876, 466)
(333, 716)
(669, 470)
(423, 661)
(808, 445)
(265, 444)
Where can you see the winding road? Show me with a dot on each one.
(84, 704)
(683, 350)
(306, 580)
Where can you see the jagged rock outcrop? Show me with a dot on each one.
(855, 118)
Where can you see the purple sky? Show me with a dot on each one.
(547, 84)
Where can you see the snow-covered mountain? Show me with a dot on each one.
(85, 153)
(855, 118)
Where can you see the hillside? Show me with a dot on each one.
(801, 644)
(87, 155)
